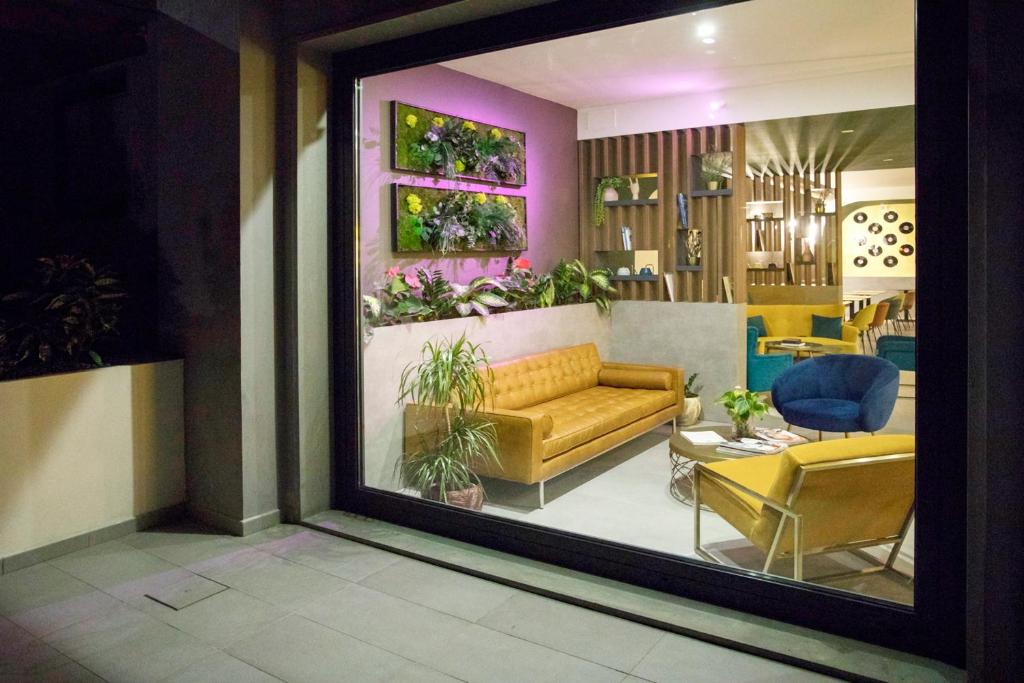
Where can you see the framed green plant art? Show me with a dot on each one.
(426, 141)
(441, 221)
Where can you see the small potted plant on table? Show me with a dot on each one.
(691, 403)
(449, 385)
(743, 407)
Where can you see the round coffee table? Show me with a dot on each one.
(807, 349)
(684, 456)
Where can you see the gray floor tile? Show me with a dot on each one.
(70, 672)
(600, 638)
(127, 645)
(480, 654)
(43, 599)
(273, 579)
(223, 619)
(184, 545)
(114, 566)
(457, 594)
(407, 629)
(330, 554)
(677, 658)
(296, 649)
(22, 654)
(186, 592)
(221, 668)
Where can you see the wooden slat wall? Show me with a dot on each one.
(795, 193)
(720, 219)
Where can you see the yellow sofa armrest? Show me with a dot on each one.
(520, 443)
(638, 376)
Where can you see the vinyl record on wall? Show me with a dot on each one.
(862, 241)
(906, 227)
(860, 261)
(907, 249)
(890, 261)
(891, 216)
(875, 250)
(860, 217)
(875, 228)
(890, 239)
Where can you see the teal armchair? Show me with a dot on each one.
(762, 369)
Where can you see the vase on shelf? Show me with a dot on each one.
(610, 194)
(712, 184)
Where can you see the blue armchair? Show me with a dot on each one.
(762, 369)
(838, 393)
(902, 351)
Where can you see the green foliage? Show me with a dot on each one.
(715, 166)
(479, 296)
(447, 221)
(446, 145)
(452, 376)
(574, 283)
(692, 389)
(61, 319)
(743, 405)
(410, 233)
(597, 211)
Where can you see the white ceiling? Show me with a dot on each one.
(756, 43)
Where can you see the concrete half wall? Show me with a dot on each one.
(88, 450)
(704, 338)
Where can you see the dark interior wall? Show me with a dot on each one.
(74, 178)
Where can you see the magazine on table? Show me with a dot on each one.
(750, 447)
(779, 436)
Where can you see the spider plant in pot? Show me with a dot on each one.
(715, 168)
(446, 389)
(691, 403)
(743, 407)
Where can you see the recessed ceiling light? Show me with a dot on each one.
(846, 130)
(705, 30)
(715, 105)
(709, 52)
(889, 159)
(708, 41)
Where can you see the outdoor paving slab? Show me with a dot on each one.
(42, 599)
(223, 619)
(441, 589)
(676, 658)
(600, 638)
(297, 649)
(329, 554)
(221, 668)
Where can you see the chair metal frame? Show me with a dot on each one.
(787, 513)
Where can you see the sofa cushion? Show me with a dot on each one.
(757, 322)
(588, 414)
(826, 326)
(635, 378)
(527, 381)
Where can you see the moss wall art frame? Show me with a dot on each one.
(428, 220)
(433, 143)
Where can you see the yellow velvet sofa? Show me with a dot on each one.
(824, 496)
(557, 409)
(784, 321)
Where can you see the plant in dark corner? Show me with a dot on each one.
(61, 319)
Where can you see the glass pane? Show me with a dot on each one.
(609, 274)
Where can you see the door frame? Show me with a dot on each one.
(935, 625)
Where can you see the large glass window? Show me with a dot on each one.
(655, 285)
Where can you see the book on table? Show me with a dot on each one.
(704, 438)
(792, 342)
(750, 447)
(779, 436)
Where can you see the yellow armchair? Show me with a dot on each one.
(814, 498)
(794, 321)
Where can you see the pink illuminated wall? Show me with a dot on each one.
(551, 168)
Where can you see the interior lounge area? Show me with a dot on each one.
(645, 255)
(510, 340)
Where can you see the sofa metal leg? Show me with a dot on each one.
(540, 491)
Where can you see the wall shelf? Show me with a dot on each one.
(634, 278)
(632, 202)
(725, 192)
(689, 268)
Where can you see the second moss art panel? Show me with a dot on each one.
(439, 221)
(426, 141)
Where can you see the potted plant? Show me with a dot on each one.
(743, 406)
(691, 404)
(607, 191)
(693, 247)
(715, 168)
(448, 385)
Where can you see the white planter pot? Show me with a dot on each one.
(610, 194)
(691, 411)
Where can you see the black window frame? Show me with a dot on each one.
(935, 625)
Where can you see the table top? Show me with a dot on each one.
(806, 346)
(679, 445)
